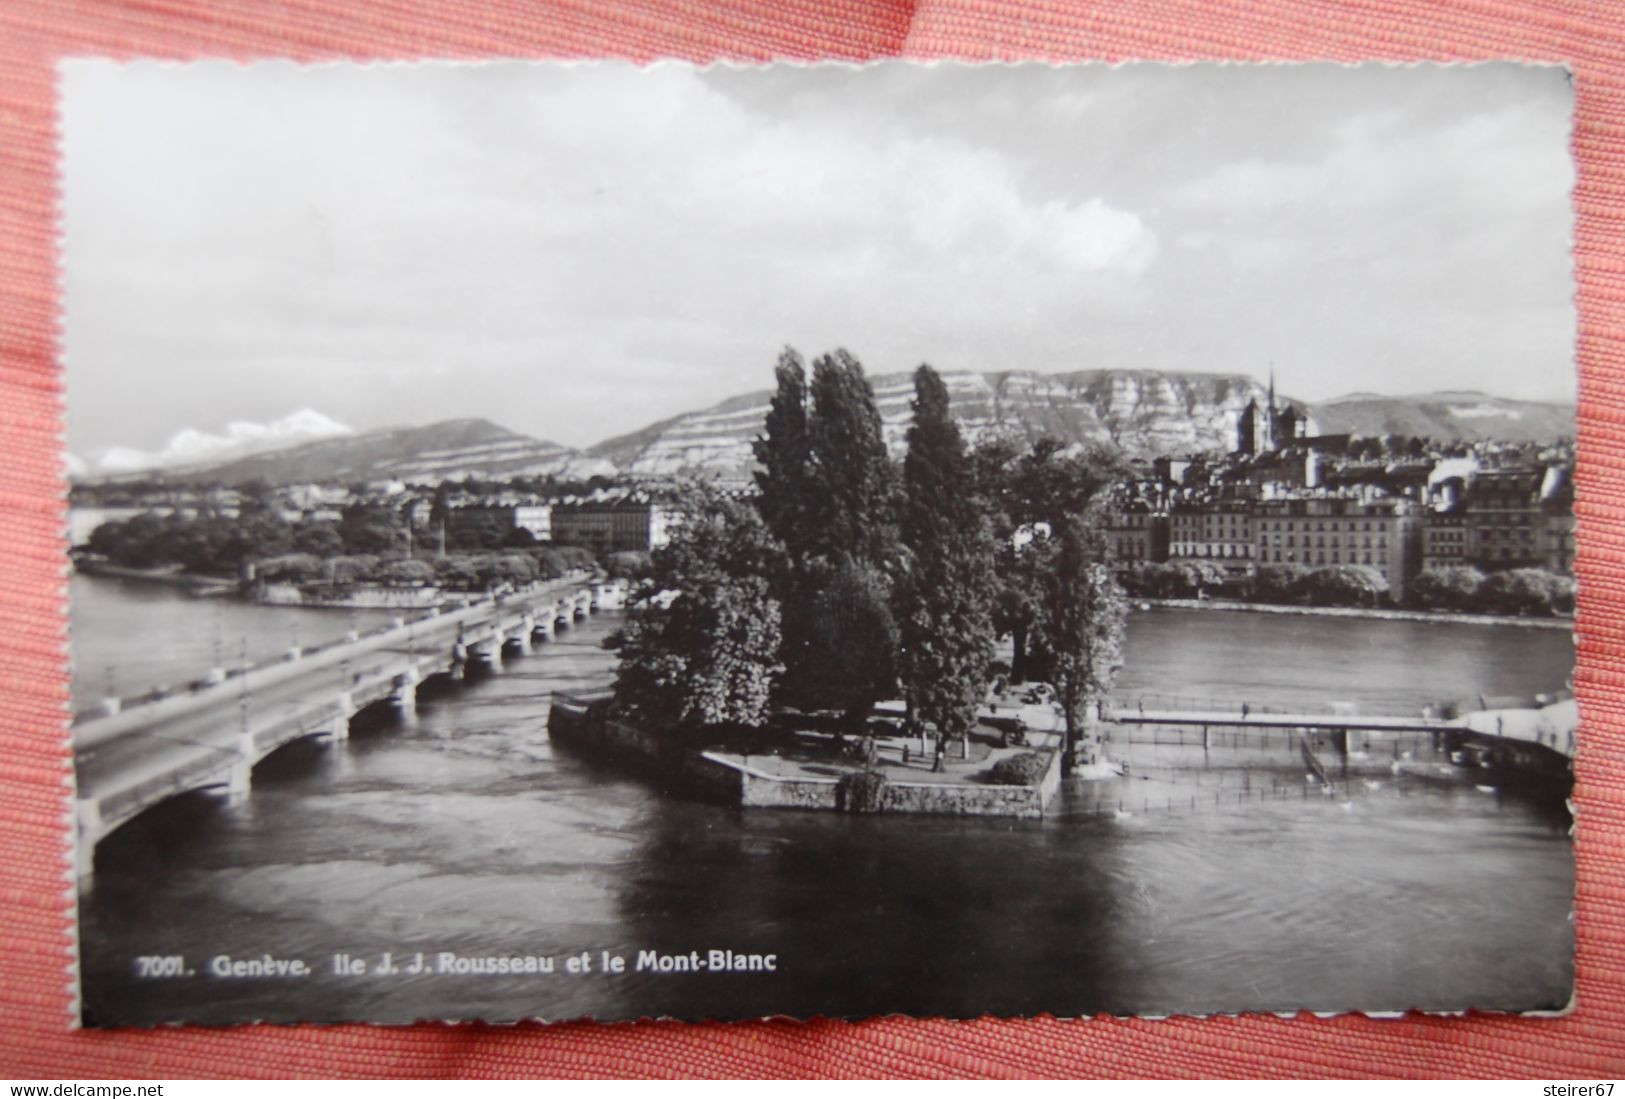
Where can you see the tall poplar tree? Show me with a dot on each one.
(854, 498)
(945, 595)
(1081, 618)
(783, 452)
(828, 489)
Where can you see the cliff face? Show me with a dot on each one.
(1144, 412)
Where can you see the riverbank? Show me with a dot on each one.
(1389, 614)
(171, 575)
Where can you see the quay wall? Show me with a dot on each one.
(1395, 614)
(740, 784)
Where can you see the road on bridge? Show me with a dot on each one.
(138, 748)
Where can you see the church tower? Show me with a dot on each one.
(1247, 429)
(1269, 444)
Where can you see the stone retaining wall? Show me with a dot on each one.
(740, 784)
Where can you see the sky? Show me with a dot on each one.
(574, 251)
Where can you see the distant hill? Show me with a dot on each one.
(1145, 412)
(448, 450)
(1446, 415)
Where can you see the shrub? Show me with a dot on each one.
(1024, 769)
(861, 792)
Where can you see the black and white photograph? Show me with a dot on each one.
(557, 541)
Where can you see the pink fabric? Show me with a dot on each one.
(35, 890)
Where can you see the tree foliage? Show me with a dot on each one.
(1281, 583)
(629, 565)
(784, 453)
(405, 573)
(1081, 617)
(701, 647)
(1029, 494)
(1344, 586)
(1172, 579)
(1451, 588)
(944, 599)
(828, 491)
(1524, 592)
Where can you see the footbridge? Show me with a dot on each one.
(129, 758)
(1540, 733)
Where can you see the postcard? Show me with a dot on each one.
(587, 541)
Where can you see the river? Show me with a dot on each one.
(465, 832)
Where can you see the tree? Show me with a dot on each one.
(318, 539)
(708, 655)
(844, 655)
(1523, 592)
(628, 565)
(353, 569)
(1029, 496)
(1081, 618)
(1450, 588)
(784, 453)
(1279, 583)
(518, 538)
(852, 490)
(405, 573)
(495, 570)
(828, 487)
(557, 560)
(1344, 586)
(294, 568)
(457, 572)
(945, 598)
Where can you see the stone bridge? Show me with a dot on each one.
(130, 758)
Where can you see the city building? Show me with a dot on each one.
(1384, 532)
(1218, 531)
(536, 518)
(1138, 533)
(611, 525)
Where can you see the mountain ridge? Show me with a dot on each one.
(1143, 412)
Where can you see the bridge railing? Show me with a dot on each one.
(236, 671)
(1260, 706)
(1448, 708)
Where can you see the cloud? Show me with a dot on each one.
(575, 250)
(191, 446)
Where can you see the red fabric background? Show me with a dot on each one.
(35, 896)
